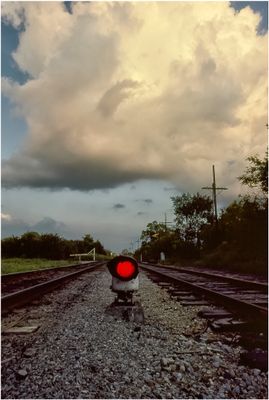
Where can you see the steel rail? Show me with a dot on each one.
(24, 296)
(237, 306)
(241, 282)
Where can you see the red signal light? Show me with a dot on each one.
(125, 269)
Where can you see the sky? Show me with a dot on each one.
(109, 109)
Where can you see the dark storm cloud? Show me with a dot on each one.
(76, 174)
(118, 206)
(146, 201)
(141, 213)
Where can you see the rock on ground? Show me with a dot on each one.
(80, 351)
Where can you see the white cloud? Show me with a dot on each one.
(6, 217)
(124, 91)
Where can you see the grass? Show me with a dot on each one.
(11, 265)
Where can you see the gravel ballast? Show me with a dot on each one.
(80, 351)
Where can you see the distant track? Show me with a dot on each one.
(20, 295)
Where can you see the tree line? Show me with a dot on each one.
(48, 245)
(238, 238)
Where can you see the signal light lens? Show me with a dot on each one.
(125, 269)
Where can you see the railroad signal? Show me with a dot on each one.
(124, 271)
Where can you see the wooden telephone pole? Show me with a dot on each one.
(214, 189)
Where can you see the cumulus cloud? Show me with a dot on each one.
(49, 225)
(126, 91)
(15, 226)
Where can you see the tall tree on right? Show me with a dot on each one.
(192, 213)
(256, 174)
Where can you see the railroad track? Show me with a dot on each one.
(21, 288)
(240, 298)
(22, 280)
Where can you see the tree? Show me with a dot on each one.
(11, 247)
(244, 223)
(153, 231)
(157, 238)
(88, 242)
(52, 247)
(256, 174)
(192, 213)
(99, 248)
(30, 244)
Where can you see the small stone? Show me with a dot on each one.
(256, 371)
(166, 361)
(231, 373)
(245, 376)
(226, 387)
(168, 368)
(190, 369)
(173, 367)
(29, 352)
(22, 373)
(182, 368)
(215, 359)
(177, 376)
(237, 390)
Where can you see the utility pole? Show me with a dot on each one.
(214, 189)
(140, 248)
(165, 221)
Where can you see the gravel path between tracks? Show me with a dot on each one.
(81, 352)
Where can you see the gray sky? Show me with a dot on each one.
(110, 108)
